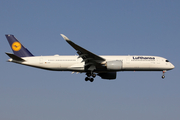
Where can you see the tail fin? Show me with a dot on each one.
(17, 48)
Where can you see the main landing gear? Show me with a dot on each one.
(163, 76)
(90, 77)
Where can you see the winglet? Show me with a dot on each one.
(67, 39)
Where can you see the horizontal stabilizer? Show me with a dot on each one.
(14, 57)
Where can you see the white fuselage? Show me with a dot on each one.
(74, 63)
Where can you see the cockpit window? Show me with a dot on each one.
(167, 60)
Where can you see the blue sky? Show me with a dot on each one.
(113, 27)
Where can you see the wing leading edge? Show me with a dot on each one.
(92, 61)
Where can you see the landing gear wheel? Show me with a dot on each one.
(88, 74)
(86, 79)
(163, 77)
(93, 75)
(91, 79)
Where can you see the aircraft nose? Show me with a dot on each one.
(172, 66)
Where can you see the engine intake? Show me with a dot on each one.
(114, 65)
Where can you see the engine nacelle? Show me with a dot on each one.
(114, 65)
(109, 75)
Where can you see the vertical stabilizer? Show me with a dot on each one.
(18, 49)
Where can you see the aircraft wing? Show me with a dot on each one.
(92, 60)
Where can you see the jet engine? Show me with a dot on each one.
(108, 75)
(114, 65)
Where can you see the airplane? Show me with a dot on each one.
(87, 62)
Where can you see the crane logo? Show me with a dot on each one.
(16, 46)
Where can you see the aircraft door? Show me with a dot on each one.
(41, 60)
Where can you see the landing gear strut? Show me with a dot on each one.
(163, 76)
(90, 77)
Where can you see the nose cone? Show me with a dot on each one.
(172, 66)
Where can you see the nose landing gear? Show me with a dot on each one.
(163, 76)
(90, 77)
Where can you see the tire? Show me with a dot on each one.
(86, 79)
(163, 77)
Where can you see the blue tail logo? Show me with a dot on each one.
(17, 48)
